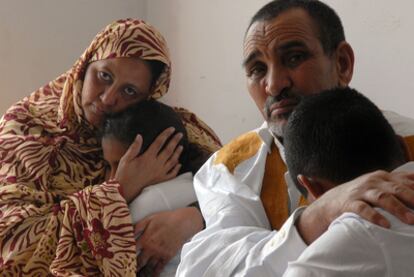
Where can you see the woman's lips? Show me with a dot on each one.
(282, 107)
(98, 110)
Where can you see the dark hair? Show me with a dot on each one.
(330, 29)
(339, 135)
(147, 118)
(156, 68)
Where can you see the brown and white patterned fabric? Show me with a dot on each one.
(57, 215)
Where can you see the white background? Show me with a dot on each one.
(41, 39)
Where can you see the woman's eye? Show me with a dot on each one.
(130, 91)
(104, 76)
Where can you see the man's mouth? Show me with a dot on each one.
(281, 109)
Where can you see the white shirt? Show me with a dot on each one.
(355, 247)
(165, 196)
(237, 240)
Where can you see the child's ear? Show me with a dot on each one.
(314, 187)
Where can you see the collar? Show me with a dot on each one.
(268, 139)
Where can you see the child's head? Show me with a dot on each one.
(148, 118)
(336, 136)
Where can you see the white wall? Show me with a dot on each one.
(381, 33)
(205, 39)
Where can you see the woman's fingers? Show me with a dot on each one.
(133, 149)
(170, 164)
(159, 142)
(173, 172)
(171, 148)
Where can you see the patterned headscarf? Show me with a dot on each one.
(123, 38)
(127, 38)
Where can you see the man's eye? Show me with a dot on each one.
(256, 71)
(295, 59)
(104, 76)
(130, 91)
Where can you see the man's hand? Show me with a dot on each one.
(162, 235)
(393, 192)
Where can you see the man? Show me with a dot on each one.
(291, 49)
(351, 138)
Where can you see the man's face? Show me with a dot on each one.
(284, 61)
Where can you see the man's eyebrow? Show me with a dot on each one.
(251, 57)
(291, 44)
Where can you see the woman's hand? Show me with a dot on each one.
(137, 172)
(163, 235)
(389, 191)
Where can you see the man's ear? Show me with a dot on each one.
(344, 56)
(314, 188)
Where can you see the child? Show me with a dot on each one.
(149, 118)
(330, 139)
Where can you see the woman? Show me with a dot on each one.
(57, 216)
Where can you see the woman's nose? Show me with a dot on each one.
(109, 97)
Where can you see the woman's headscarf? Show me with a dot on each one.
(128, 38)
(123, 38)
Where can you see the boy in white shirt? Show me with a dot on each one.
(330, 139)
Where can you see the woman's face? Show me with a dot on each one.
(112, 85)
(113, 150)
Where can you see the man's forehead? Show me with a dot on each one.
(291, 24)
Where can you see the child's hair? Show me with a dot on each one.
(339, 135)
(147, 118)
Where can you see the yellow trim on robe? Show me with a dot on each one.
(238, 150)
(274, 194)
(409, 147)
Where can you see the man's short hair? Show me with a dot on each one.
(147, 118)
(330, 29)
(339, 135)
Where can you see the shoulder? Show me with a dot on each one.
(34, 111)
(238, 150)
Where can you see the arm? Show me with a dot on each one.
(390, 191)
(52, 220)
(162, 235)
(85, 233)
(346, 249)
(237, 239)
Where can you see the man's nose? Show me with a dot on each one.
(109, 97)
(277, 80)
